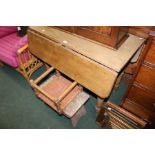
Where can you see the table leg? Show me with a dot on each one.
(118, 81)
(103, 119)
(47, 66)
(99, 104)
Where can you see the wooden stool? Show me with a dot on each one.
(62, 94)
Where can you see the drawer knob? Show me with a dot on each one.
(154, 105)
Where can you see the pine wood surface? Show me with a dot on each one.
(76, 66)
(114, 59)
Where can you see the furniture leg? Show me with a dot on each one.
(100, 116)
(99, 103)
(58, 73)
(103, 120)
(118, 81)
(75, 119)
(47, 66)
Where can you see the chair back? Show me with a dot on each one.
(6, 30)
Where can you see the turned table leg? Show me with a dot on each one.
(47, 66)
(118, 81)
(99, 104)
(103, 120)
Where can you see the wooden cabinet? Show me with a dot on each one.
(113, 116)
(67, 28)
(112, 36)
(141, 31)
(140, 97)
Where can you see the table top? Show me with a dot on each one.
(113, 59)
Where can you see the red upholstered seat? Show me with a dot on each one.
(14, 51)
(6, 30)
(10, 60)
(10, 42)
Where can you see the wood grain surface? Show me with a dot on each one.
(114, 59)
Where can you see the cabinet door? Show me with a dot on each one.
(141, 31)
(143, 97)
(113, 36)
(140, 98)
(150, 56)
(103, 34)
(67, 28)
(103, 30)
(146, 77)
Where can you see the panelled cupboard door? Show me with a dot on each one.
(67, 28)
(112, 36)
(104, 34)
(103, 30)
(150, 56)
(141, 31)
(140, 97)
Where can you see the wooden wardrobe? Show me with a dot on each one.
(112, 36)
(140, 96)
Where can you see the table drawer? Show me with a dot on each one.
(142, 97)
(146, 77)
(150, 56)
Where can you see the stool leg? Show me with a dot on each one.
(78, 115)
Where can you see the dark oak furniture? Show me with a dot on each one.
(112, 36)
(113, 116)
(141, 31)
(140, 97)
